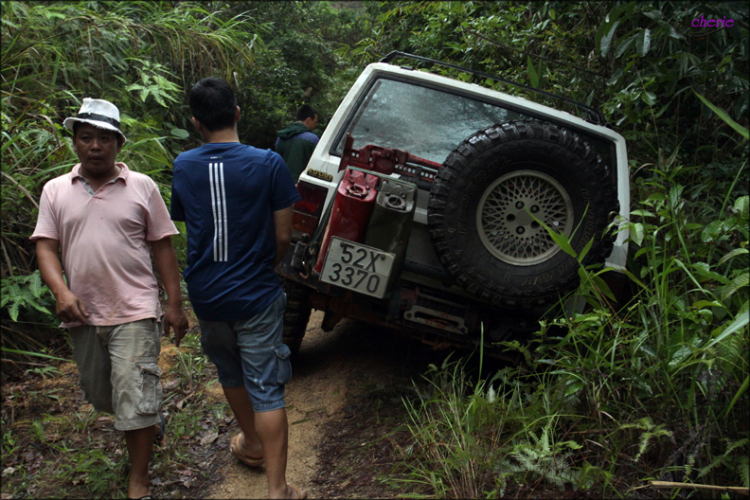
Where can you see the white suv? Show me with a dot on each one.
(425, 203)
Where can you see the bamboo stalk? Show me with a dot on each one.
(20, 253)
(22, 362)
(667, 484)
(25, 336)
(7, 259)
(23, 189)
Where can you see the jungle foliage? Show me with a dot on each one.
(654, 389)
(143, 56)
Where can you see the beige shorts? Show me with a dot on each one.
(119, 370)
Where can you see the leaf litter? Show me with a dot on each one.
(343, 405)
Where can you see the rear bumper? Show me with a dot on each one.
(391, 312)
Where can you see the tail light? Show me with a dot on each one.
(306, 212)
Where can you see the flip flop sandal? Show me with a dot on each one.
(234, 447)
(299, 491)
(159, 437)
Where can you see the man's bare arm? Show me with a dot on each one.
(68, 306)
(165, 262)
(283, 221)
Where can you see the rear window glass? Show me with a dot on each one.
(425, 122)
(430, 123)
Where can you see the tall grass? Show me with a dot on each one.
(474, 439)
(140, 55)
(655, 389)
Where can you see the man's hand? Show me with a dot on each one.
(70, 308)
(165, 262)
(175, 319)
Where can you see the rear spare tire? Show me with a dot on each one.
(480, 206)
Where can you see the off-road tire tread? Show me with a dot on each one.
(456, 172)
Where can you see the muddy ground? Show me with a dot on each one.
(344, 406)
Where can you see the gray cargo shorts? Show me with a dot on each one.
(119, 371)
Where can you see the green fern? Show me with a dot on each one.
(730, 350)
(732, 460)
(25, 292)
(738, 282)
(743, 465)
(651, 431)
(540, 457)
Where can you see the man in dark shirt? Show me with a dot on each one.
(236, 201)
(296, 142)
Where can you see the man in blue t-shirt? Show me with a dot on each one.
(236, 201)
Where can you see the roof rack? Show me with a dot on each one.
(595, 116)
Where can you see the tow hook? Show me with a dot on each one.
(299, 251)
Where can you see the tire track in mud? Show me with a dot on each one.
(333, 369)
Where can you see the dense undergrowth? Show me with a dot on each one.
(619, 395)
(54, 445)
(613, 397)
(653, 389)
(143, 56)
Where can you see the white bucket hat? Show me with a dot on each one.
(99, 113)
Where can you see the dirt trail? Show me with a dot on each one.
(352, 359)
(344, 404)
(314, 393)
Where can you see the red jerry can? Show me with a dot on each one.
(355, 198)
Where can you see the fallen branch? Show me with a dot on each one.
(21, 362)
(7, 259)
(667, 485)
(23, 189)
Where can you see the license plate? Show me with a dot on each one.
(357, 267)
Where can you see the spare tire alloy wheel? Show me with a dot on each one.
(508, 215)
(490, 196)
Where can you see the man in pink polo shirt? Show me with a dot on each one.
(106, 220)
